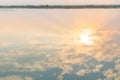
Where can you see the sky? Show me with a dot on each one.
(59, 2)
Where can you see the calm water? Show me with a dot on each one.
(81, 44)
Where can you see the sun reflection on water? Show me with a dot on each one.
(85, 37)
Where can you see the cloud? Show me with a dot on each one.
(98, 67)
(4, 44)
(117, 66)
(41, 57)
(82, 72)
(109, 74)
(66, 69)
(13, 77)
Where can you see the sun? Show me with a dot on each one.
(85, 37)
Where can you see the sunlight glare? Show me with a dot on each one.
(85, 37)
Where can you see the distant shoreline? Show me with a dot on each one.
(59, 6)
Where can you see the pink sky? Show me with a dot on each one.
(59, 1)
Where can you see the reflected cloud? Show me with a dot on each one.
(13, 77)
(47, 50)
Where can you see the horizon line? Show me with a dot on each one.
(109, 6)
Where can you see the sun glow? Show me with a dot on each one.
(85, 37)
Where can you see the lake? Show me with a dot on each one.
(59, 44)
